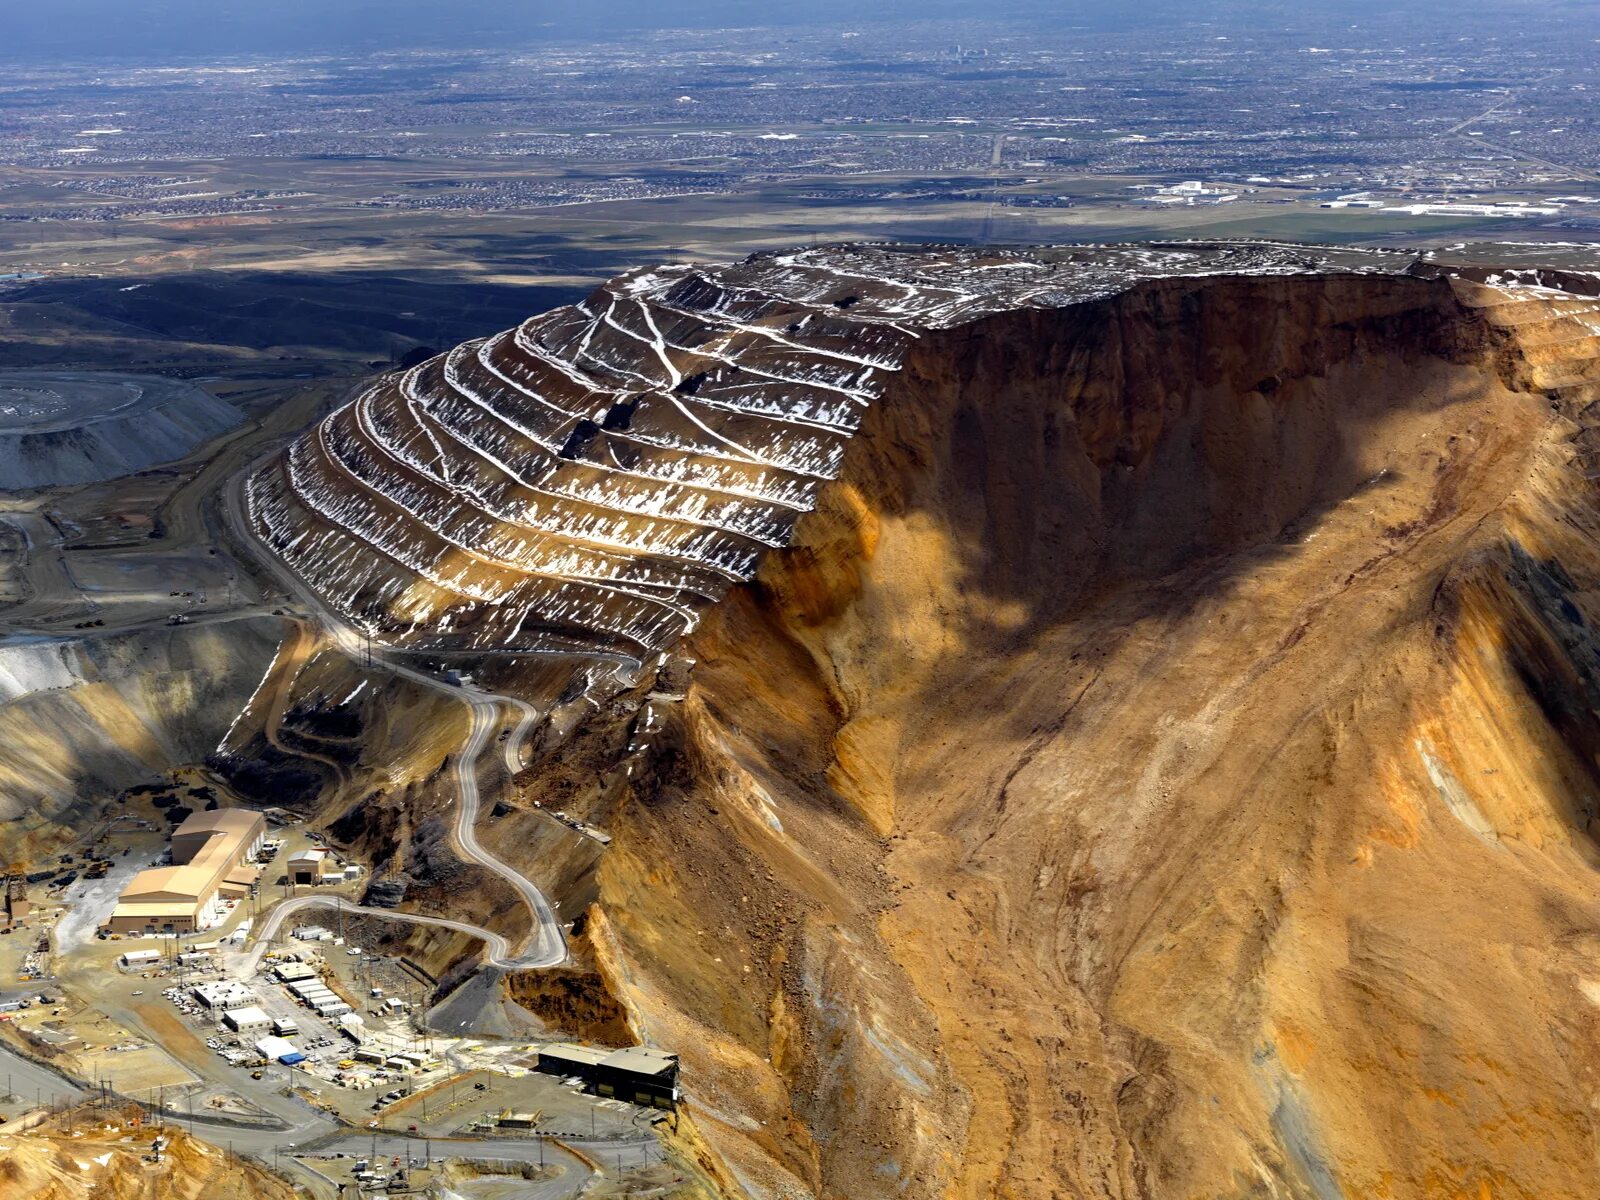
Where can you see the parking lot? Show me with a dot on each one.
(354, 1072)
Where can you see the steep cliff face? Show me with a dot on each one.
(592, 480)
(1112, 722)
(1163, 765)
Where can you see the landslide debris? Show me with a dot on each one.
(1162, 765)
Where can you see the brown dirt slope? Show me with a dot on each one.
(97, 1156)
(1163, 767)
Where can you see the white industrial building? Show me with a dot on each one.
(223, 993)
(247, 1022)
(280, 1049)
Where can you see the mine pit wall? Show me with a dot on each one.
(1050, 816)
(81, 721)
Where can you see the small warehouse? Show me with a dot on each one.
(138, 958)
(247, 1022)
(278, 1049)
(639, 1075)
(293, 972)
(313, 866)
(569, 1058)
(285, 1027)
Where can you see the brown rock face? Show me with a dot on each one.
(1163, 766)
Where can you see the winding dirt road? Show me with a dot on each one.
(546, 945)
(245, 965)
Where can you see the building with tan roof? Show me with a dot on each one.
(210, 853)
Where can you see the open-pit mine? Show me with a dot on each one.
(860, 721)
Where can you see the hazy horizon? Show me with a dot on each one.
(75, 30)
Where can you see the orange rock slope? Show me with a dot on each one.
(94, 1155)
(1163, 766)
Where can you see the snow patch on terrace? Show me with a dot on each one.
(601, 473)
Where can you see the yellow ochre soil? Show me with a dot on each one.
(93, 1154)
(1164, 766)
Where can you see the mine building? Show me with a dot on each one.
(16, 899)
(247, 1022)
(280, 1050)
(313, 866)
(211, 852)
(639, 1074)
(221, 993)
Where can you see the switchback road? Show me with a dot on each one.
(546, 945)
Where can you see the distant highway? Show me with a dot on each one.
(546, 945)
(1460, 128)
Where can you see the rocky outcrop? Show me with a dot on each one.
(93, 1155)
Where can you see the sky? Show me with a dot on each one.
(42, 30)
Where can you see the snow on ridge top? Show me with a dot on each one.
(938, 286)
(596, 478)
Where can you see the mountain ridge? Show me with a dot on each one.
(1159, 762)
